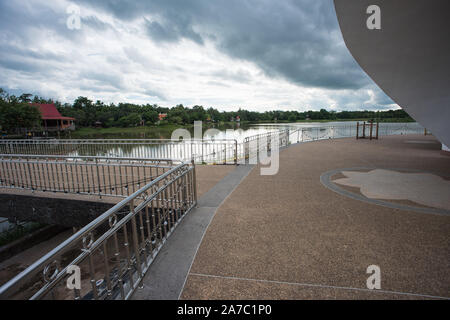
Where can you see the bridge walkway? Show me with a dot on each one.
(288, 236)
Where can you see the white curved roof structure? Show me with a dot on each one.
(408, 57)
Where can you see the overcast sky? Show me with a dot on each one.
(257, 54)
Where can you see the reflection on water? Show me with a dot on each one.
(335, 129)
(207, 151)
(225, 151)
(241, 131)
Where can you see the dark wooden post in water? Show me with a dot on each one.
(371, 133)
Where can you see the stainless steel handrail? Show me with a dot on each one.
(217, 151)
(183, 199)
(102, 176)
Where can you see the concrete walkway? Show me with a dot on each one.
(167, 275)
(287, 236)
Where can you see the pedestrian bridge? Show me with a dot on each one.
(117, 247)
(153, 195)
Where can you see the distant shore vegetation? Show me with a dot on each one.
(126, 115)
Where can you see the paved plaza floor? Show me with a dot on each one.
(288, 236)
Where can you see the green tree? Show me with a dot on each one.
(292, 118)
(25, 97)
(131, 120)
(176, 120)
(150, 117)
(17, 115)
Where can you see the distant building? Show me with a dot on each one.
(52, 120)
(162, 116)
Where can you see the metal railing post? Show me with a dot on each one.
(203, 159)
(371, 129)
(195, 182)
(98, 179)
(357, 130)
(235, 152)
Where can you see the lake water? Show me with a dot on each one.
(336, 129)
(206, 151)
(241, 131)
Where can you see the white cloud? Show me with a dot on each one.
(115, 60)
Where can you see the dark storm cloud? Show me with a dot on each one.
(27, 60)
(96, 24)
(10, 49)
(226, 74)
(20, 65)
(21, 23)
(168, 32)
(297, 40)
(113, 80)
(22, 30)
(179, 51)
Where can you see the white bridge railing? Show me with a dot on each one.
(207, 151)
(102, 176)
(263, 142)
(202, 151)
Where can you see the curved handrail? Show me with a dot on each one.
(34, 268)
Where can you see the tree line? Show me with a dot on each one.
(88, 113)
(16, 112)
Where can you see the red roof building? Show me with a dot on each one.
(52, 120)
(161, 116)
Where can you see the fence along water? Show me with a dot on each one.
(202, 151)
(206, 151)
